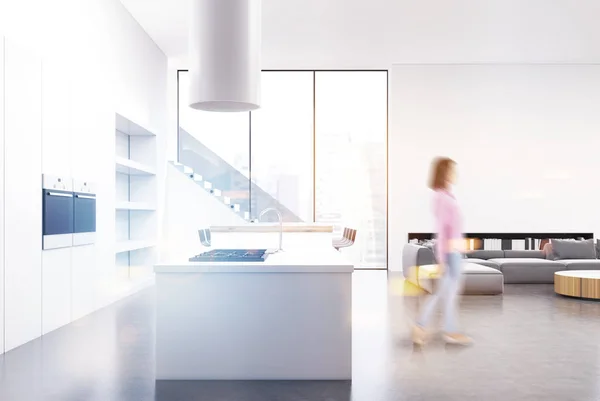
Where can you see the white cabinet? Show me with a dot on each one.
(56, 126)
(56, 289)
(2, 195)
(22, 196)
(83, 278)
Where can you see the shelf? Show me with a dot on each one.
(136, 200)
(507, 235)
(134, 206)
(133, 245)
(131, 167)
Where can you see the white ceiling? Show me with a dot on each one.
(376, 33)
(166, 21)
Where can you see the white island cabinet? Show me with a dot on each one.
(287, 318)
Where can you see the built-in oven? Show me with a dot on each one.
(58, 207)
(84, 213)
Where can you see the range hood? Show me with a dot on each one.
(224, 53)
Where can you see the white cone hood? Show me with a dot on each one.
(225, 38)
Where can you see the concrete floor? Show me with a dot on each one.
(530, 345)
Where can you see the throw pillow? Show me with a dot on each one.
(565, 249)
(548, 251)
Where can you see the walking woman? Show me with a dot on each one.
(449, 247)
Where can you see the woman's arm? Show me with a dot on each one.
(441, 226)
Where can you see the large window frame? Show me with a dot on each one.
(314, 139)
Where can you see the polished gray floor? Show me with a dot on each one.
(530, 345)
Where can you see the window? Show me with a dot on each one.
(350, 165)
(282, 146)
(316, 150)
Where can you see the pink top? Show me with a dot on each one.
(448, 223)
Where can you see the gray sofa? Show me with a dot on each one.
(482, 268)
(479, 278)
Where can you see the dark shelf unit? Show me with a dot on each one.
(507, 237)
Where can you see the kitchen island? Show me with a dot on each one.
(287, 318)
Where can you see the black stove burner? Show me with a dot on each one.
(231, 255)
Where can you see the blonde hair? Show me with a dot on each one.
(440, 169)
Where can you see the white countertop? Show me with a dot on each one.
(292, 261)
(274, 227)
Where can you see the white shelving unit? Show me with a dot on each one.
(136, 196)
(130, 167)
(134, 206)
(133, 245)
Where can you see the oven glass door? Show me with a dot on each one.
(85, 213)
(58, 212)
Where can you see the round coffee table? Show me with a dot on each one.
(578, 283)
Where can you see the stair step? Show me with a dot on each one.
(183, 168)
(208, 186)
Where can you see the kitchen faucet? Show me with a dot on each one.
(267, 210)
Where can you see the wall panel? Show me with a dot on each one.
(23, 200)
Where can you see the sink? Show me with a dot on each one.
(231, 255)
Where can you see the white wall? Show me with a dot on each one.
(185, 215)
(525, 138)
(174, 64)
(95, 61)
(375, 34)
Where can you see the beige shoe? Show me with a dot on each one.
(458, 339)
(419, 335)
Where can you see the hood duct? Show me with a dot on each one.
(225, 46)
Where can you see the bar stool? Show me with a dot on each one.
(205, 237)
(347, 239)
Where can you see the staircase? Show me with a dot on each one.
(208, 187)
(232, 187)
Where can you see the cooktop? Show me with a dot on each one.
(231, 255)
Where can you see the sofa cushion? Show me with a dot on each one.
(528, 270)
(485, 255)
(580, 264)
(477, 279)
(481, 280)
(566, 249)
(483, 262)
(415, 255)
(525, 254)
(476, 268)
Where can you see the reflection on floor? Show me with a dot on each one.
(530, 345)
